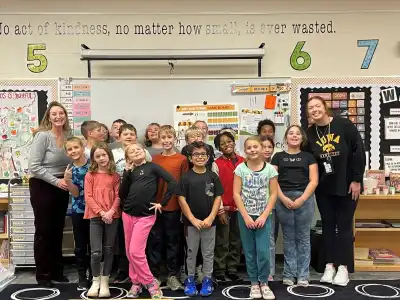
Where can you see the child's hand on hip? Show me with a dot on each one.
(157, 207)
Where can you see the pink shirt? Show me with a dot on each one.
(101, 194)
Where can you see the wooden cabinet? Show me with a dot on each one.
(378, 207)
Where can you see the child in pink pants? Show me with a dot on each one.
(138, 193)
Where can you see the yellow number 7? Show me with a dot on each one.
(39, 61)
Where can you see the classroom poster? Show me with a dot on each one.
(76, 99)
(21, 110)
(352, 102)
(217, 116)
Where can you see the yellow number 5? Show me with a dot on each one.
(39, 61)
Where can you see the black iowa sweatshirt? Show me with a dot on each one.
(139, 189)
(343, 143)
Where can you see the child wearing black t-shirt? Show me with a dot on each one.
(200, 198)
(298, 178)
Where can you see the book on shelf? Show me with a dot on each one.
(383, 256)
(3, 221)
(361, 253)
(393, 224)
(361, 256)
(368, 262)
(371, 224)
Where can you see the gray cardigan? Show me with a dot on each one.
(46, 160)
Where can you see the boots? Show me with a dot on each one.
(94, 289)
(104, 289)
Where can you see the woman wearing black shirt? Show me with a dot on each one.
(337, 145)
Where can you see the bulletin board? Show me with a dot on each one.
(142, 101)
(378, 121)
(22, 106)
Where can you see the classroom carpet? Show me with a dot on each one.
(354, 291)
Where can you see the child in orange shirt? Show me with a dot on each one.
(168, 227)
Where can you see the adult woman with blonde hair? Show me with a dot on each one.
(339, 150)
(49, 194)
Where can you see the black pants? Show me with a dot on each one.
(81, 228)
(165, 234)
(123, 263)
(49, 205)
(337, 213)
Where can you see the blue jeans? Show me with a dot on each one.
(255, 243)
(296, 226)
(272, 241)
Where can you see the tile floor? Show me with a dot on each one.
(27, 276)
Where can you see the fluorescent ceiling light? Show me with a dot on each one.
(171, 54)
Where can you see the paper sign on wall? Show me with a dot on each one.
(395, 149)
(389, 95)
(391, 163)
(392, 128)
(395, 111)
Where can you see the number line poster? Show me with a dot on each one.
(217, 116)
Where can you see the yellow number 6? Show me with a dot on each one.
(39, 61)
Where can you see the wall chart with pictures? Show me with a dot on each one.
(22, 106)
(371, 103)
(389, 99)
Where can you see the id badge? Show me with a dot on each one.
(328, 165)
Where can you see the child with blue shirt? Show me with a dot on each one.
(75, 177)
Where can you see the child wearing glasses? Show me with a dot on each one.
(199, 193)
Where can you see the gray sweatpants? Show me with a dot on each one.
(206, 239)
(102, 240)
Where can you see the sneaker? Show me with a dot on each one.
(135, 291)
(207, 287)
(182, 274)
(83, 283)
(60, 279)
(45, 283)
(303, 283)
(190, 287)
(342, 276)
(199, 273)
(158, 281)
(121, 277)
(220, 278)
(266, 292)
(154, 290)
(233, 277)
(329, 274)
(174, 284)
(288, 282)
(270, 278)
(255, 292)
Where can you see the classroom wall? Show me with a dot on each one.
(333, 36)
(41, 39)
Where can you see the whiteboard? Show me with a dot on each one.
(142, 101)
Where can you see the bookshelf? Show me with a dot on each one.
(372, 208)
(4, 236)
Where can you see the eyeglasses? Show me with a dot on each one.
(199, 154)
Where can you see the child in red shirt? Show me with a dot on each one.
(227, 251)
